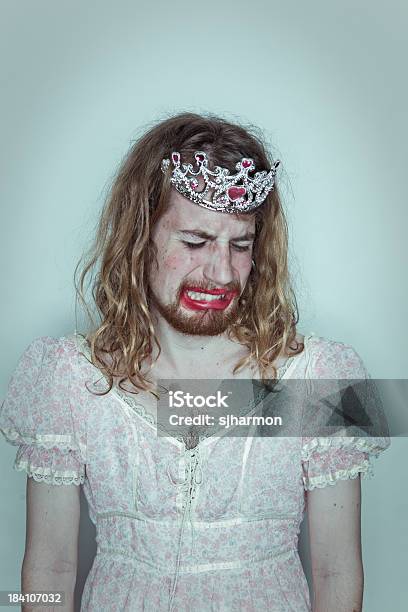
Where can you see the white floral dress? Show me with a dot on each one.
(213, 528)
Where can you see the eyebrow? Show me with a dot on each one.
(206, 236)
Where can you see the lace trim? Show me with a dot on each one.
(318, 482)
(138, 408)
(281, 370)
(64, 442)
(48, 475)
(372, 446)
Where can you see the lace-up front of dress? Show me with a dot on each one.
(213, 527)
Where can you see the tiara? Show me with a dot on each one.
(232, 192)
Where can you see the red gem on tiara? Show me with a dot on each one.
(235, 193)
(175, 158)
(200, 157)
(246, 163)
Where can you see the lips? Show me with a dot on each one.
(194, 298)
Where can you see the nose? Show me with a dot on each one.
(218, 267)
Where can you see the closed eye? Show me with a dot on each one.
(198, 245)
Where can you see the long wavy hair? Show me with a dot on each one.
(122, 250)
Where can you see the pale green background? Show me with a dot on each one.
(327, 83)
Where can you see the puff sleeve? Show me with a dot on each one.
(328, 459)
(40, 416)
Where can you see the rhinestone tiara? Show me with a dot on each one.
(232, 192)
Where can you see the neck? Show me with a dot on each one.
(181, 353)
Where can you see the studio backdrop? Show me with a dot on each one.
(324, 81)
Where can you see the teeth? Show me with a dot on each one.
(204, 296)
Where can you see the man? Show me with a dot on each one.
(193, 284)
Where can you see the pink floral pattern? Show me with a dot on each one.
(214, 528)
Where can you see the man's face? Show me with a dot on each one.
(204, 259)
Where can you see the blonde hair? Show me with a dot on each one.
(122, 249)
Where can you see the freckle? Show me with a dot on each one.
(335, 504)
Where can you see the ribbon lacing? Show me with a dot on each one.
(188, 487)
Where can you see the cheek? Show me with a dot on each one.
(244, 267)
(175, 261)
(244, 262)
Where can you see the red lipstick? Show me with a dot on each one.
(192, 303)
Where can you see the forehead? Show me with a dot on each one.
(184, 214)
